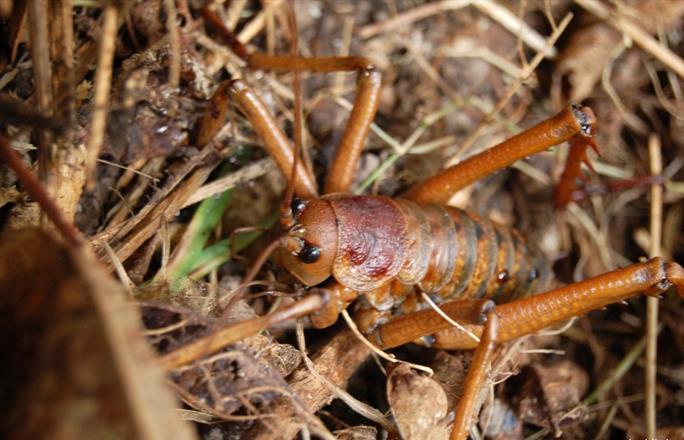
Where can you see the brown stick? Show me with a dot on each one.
(529, 315)
(37, 190)
(651, 355)
(228, 37)
(103, 85)
(227, 335)
(569, 123)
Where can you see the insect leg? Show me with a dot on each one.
(475, 380)
(570, 123)
(264, 125)
(403, 329)
(577, 155)
(529, 315)
(346, 159)
(351, 145)
(568, 189)
(348, 152)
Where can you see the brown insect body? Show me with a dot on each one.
(389, 250)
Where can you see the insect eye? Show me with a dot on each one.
(297, 206)
(309, 254)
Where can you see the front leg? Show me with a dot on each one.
(343, 168)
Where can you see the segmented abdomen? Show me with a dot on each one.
(467, 256)
(454, 254)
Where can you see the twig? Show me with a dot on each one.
(126, 281)
(175, 43)
(406, 18)
(245, 174)
(129, 168)
(493, 10)
(365, 410)
(526, 72)
(636, 33)
(40, 53)
(255, 26)
(386, 356)
(42, 74)
(232, 333)
(103, 80)
(63, 62)
(656, 165)
(235, 9)
(516, 26)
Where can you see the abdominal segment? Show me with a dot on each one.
(453, 254)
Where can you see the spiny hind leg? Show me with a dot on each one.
(521, 317)
(529, 315)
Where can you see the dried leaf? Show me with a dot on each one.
(337, 361)
(450, 372)
(357, 433)
(245, 375)
(592, 46)
(75, 363)
(224, 382)
(548, 393)
(419, 404)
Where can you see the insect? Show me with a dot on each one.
(386, 253)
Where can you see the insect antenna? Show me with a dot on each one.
(229, 38)
(287, 219)
(286, 215)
